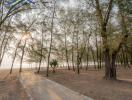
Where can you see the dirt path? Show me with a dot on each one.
(39, 88)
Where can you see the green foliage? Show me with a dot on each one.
(126, 5)
(54, 64)
(34, 52)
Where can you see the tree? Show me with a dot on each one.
(51, 39)
(8, 10)
(54, 64)
(110, 58)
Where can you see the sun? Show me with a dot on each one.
(25, 35)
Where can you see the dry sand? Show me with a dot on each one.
(91, 83)
(10, 87)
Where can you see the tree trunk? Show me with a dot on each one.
(51, 39)
(97, 51)
(93, 56)
(124, 59)
(14, 56)
(100, 58)
(121, 60)
(113, 66)
(66, 52)
(110, 68)
(131, 59)
(41, 57)
(73, 59)
(78, 57)
(23, 51)
(1, 47)
(53, 69)
(87, 61)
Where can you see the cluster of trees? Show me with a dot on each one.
(55, 32)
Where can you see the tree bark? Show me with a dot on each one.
(73, 52)
(93, 56)
(23, 51)
(66, 52)
(14, 56)
(103, 21)
(51, 38)
(41, 57)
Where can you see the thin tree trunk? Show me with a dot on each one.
(123, 57)
(121, 60)
(66, 52)
(100, 66)
(93, 56)
(73, 52)
(88, 51)
(51, 38)
(41, 52)
(127, 61)
(1, 47)
(97, 51)
(78, 58)
(23, 51)
(87, 61)
(14, 56)
(4, 49)
(131, 58)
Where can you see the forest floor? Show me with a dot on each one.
(92, 84)
(10, 86)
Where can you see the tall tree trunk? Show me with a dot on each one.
(113, 66)
(100, 58)
(1, 47)
(107, 64)
(78, 57)
(42, 39)
(93, 56)
(14, 56)
(73, 52)
(123, 57)
(87, 61)
(127, 61)
(97, 51)
(103, 21)
(87, 44)
(51, 38)
(4, 49)
(66, 52)
(23, 51)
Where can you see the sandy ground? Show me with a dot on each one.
(10, 87)
(91, 83)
